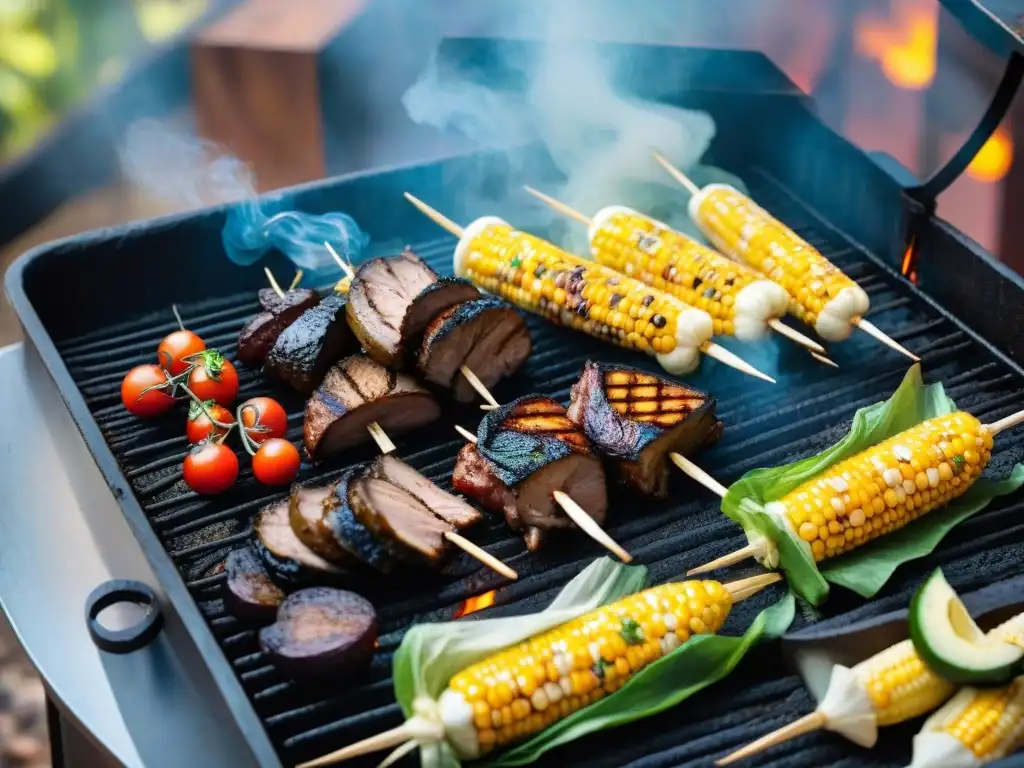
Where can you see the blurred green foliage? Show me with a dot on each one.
(54, 53)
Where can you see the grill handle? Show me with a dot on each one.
(128, 639)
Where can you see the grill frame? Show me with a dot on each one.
(31, 272)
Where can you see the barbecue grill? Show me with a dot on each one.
(961, 317)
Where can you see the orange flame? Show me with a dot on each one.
(474, 604)
(904, 45)
(994, 159)
(908, 269)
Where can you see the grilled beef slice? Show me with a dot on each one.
(278, 312)
(402, 524)
(526, 451)
(306, 510)
(637, 419)
(306, 348)
(288, 560)
(356, 392)
(486, 335)
(348, 533)
(450, 508)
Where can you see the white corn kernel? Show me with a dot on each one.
(539, 699)
(892, 477)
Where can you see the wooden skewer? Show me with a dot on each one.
(576, 513)
(698, 474)
(815, 721)
(711, 350)
(296, 280)
(273, 282)
(380, 437)
(775, 324)
(823, 359)
(751, 550)
(403, 734)
(1010, 421)
(484, 557)
(478, 385)
(861, 323)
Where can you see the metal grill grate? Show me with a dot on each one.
(765, 425)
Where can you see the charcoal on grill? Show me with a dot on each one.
(447, 506)
(277, 312)
(306, 508)
(486, 335)
(637, 419)
(249, 593)
(393, 298)
(526, 450)
(321, 632)
(307, 347)
(406, 528)
(288, 560)
(355, 393)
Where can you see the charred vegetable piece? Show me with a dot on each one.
(306, 509)
(525, 451)
(486, 335)
(306, 348)
(406, 528)
(249, 594)
(321, 633)
(638, 418)
(450, 508)
(350, 534)
(356, 392)
(381, 294)
(429, 303)
(288, 560)
(260, 334)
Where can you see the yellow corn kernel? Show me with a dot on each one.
(908, 493)
(621, 627)
(900, 685)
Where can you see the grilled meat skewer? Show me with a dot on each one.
(277, 312)
(289, 561)
(305, 349)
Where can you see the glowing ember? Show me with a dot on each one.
(993, 159)
(905, 44)
(908, 269)
(474, 604)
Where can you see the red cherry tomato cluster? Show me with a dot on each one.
(211, 384)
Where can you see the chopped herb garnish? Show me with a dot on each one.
(958, 463)
(631, 631)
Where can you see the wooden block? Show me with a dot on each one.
(257, 85)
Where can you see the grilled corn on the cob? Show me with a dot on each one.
(822, 296)
(886, 486)
(526, 688)
(577, 293)
(739, 300)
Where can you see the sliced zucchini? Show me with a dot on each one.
(951, 644)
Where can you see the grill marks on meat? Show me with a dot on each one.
(278, 312)
(350, 534)
(309, 345)
(356, 392)
(526, 451)
(408, 530)
(448, 507)
(487, 335)
(637, 419)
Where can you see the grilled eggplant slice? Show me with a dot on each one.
(307, 347)
(487, 335)
(350, 534)
(526, 450)
(321, 633)
(289, 561)
(306, 509)
(249, 594)
(407, 529)
(278, 312)
(637, 419)
(356, 392)
(447, 506)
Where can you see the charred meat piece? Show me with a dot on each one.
(407, 529)
(637, 419)
(487, 335)
(526, 450)
(356, 392)
(321, 633)
(249, 594)
(278, 312)
(350, 534)
(306, 509)
(432, 301)
(306, 348)
(288, 560)
(450, 508)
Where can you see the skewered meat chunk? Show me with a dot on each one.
(449, 507)
(350, 534)
(278, 312)
(408, 530)
(356, 392)
(288, 560)
(393, 298)
(308, 346)
(638, 419)
(526, 450)
(487, 335)
(306, 508)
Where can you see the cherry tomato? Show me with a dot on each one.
(210, 468)
(276, 462)
(214, 378)
(140, 402)
(177, 346)
(199, 427)
(263, 418)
